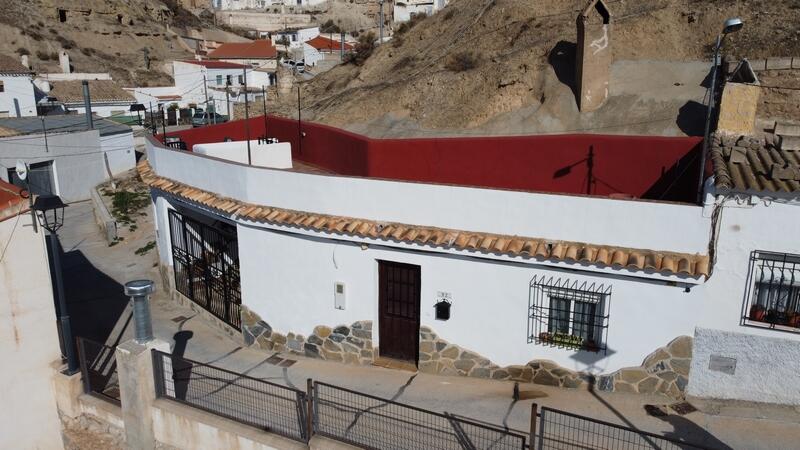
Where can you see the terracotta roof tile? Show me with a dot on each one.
(322, 43)
(11, 65)
(100, 91)
(665, 263)
(258, 49)
(751, 164)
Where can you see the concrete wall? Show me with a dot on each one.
(78, 164)
(278, 156)
(120, 151)
(28, 340)
(17, 98)
(114, 110)
(260, 21)
(755, 369)
(593, 59)
(737, 110)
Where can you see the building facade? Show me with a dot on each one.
(17, 97)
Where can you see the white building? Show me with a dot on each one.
(17, 98)
(260, 55)
(287, 40)
(28, 334)
(404, 9)
(108, 99)
(323, 48)
(69, 159)
(479, 281)
(221, 81)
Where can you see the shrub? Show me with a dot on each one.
(363, 50)
(449, 14)
(329, 27)
(461, 62)
(412, 22)
(23, 51)
(44, 56)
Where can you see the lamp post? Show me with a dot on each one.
(731, 26)
(50, 211)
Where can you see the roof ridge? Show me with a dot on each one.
(656, 261)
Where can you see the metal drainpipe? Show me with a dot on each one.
(139, 291)
(87, 105)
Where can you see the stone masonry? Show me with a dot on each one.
(664, 371)
(348, 344)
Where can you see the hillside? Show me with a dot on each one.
(478, 63)
(99, 35)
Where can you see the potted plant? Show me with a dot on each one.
(757, 313)
(794, 319)
(544, 336)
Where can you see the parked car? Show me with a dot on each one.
(300, 67)
(201, 119)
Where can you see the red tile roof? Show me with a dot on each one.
(259, 49)
(322, 43)
(637, 260)
(215, 64)
(10, 198)
(12, 65)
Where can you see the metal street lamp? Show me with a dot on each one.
(50, 209)
(731, 25)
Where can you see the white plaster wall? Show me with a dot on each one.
(18, 90)
(636, 224)
(766, 368)
(28, 340)
(311, 55)
(116, 110)
(120, 151)
(278, 155)
(78, 160)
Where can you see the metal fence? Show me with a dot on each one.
(99, 370)
(376, 423)
(268, 406)
(559, 430)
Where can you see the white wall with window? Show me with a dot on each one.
(17, 98)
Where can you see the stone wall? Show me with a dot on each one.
(348, 344)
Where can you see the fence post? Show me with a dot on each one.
(534, 409)
(310, 407)
(82, 362)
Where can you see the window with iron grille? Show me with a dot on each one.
(772, 297)
(566, 313)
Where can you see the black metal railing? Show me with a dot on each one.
(268, 406)
(176, 144)
(99, 370)
(772, 297)
(559, 430)
(206, 264)
(377, 423)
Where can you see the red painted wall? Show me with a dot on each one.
(659, 168)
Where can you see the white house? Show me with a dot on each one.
(323, 48)
(294, 38)
(194, 79)
(28, 334)
(260, 55)
(108, 99)
(64, 156)
(454, 278)
(17, 97)
(404, 9)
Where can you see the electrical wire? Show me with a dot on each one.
(13, 229)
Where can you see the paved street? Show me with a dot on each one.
(95, 273)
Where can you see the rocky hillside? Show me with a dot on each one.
(479, 60)
(99, 35)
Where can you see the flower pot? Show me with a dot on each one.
(757, 313)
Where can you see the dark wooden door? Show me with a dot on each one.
(398, 300)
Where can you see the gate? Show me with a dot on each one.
(206, 264)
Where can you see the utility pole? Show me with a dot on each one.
(264, 100)
(228, 102)
(341, 45)
(152, 120)
(164, 122)
(205, 88)
(381, 24)
(247, 118)
(299, 124)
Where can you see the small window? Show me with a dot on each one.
(219, 80)
(229, 80)
(241, 80)
(566, 313)
(2, 86)
(772, 297)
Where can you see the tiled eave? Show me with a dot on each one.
(603, 256)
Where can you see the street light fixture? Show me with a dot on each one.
(731, 25)
(50, 209)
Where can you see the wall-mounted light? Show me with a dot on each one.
(442, 309)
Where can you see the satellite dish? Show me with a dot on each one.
(22, 170)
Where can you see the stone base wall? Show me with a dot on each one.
(348, 344)
(664, 371)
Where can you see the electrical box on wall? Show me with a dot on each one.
(339, 299)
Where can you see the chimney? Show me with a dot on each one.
(24, 61)
(87, 105)
(63, 61)
(593, 56)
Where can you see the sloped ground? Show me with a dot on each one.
(412, 80)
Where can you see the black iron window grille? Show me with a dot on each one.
(570, 314)
(772, 297)
(206, 264)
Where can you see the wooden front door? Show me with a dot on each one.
(398, 300)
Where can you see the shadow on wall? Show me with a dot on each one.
(562, 58)
(95, 302)
(692, 118)
(679, 182)
(181, 368)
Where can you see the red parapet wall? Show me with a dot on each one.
(657, 168)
